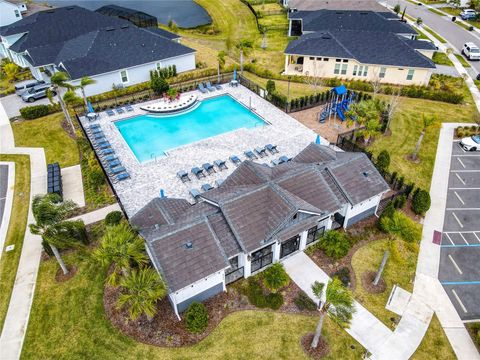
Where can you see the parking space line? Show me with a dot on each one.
(458, 220)
(466, 242)
(455, 264)
(464, 171)
(459, 198)
(459, 178)
(476, 236)
(461, 245)
(449, 238)
(468, 209)
(461, 162)
(464, 188)
(459, 301)
(460, 282)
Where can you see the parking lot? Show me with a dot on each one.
(13, 103)
(460, 253)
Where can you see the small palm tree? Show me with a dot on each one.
(141, 289)
(50, 214)
(427, 122)
(121, 247)
(59, 80)
(365, 113)
(85, 81)
(71, 99)
(338, 305)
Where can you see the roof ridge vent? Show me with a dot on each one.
(70, 7)
(125, 26)
(188, 245)
(110, 28)
(326, 36)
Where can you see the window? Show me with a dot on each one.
(159, 66)
(17, 13)
(344, 69)
(336, 71)
(261, 258)
(355, 67)
(382, 72)
(338, 60)
(290, 246)
(410, 74)
(345, 60)
(325, 59)
(124, 76)
(365, 71)
(312, 58)
(314, 234)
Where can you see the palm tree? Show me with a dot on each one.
(121, 247)
(338, 305)
(59, 80)
(427, 122)
(50, 214)
(71, 99)
(85, 81)
(141, 289)
(365, 113)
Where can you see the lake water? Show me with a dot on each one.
(185, 13)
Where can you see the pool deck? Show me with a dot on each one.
(148, 178)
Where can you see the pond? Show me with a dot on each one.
(186, 13)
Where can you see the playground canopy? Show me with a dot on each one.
(340, 90)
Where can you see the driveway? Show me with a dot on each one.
(446, 70)
(460, 247)
(13, 103)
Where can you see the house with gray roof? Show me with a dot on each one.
(259, 215)
(357, 45)
(81, 43)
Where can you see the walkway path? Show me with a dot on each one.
(97, 215)
(375, 336)
(7, 183)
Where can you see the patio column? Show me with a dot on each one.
(247, 267)
(276, 252)
(303, 240)
(287, 62)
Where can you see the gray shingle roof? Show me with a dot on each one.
(337, 5)
(88, 43)
(160, 211)
(367, 47)
(322, 20)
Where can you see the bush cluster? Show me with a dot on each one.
(275, 277)
(113, 218)
(335, 244)
(421, 202)
(158, 83)
(196, 318)
(400, 225)
(37, 111)
(303, 302)
(464, 131)
(256, 296)
(343, 274)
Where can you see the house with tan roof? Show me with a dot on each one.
(259, 215)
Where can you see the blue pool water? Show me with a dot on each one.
(150, 135)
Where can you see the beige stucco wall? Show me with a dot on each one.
(320, 68)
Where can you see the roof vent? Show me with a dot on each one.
(143, 45)
(326, 36)
(50, 11)
(124, 26)
(188, 245)
(70, 8)
(109, 29)
(157, 226)
(365, 173)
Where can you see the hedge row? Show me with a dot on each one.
(37, 111)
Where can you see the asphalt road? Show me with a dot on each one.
(442, 25)
(460, 247)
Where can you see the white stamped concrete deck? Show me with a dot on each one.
(148, 178)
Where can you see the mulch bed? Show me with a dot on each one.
(319, 352)
(61, 277)
(367, 283)
(167, 331)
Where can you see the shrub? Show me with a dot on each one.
(303, 302)
(275, 277)
(393, 178)
(37, 111)
(343, 274)
(113, 218)
(255, 293)
(383, 161)
(96, 178)
(400, 182)
(270, 87)
(401, 225)
(196, 318)
(274, 301)
(421, 202)
(335, 244)
(400, 201)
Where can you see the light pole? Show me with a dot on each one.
(288, 91)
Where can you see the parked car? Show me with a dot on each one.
(471, 143)
(23, 86)
(36, 92)
(471, 51)
(468, 14)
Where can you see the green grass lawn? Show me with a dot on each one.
(456, 12)
(434, 343)
(47, 132)
(68, 321)
(435, 11)
(462, 60)
(441, 58)
(16, 229)
(434, 34)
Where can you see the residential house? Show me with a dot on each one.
(82, 43)
(363, 5)
(358, 45)
(11, 11)
(258, 216)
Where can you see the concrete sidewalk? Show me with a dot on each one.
(375, 336)
(97, 215)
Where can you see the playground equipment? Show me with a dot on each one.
(339, 104)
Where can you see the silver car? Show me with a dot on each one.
(23, 86)
(36, 92)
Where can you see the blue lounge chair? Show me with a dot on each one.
(249, 154)
(218, 86)
(106, 152)
(129, 108)
(113, 160)
(122, 176)
(276, 162)
(206, 187)
(261, 152)
(104, 145)
(219, 182)
(99, 135)
(96, 131)
(271, 148)
(235, 159)
(221, 164)
(94, 126)
(195, 193)
(198, 172)
(114, 163)
(210, 87)
(182, 174)
(208, 168)
(117, 170)
(110, 158)
(119, 110)
(201, 88)
(101, 142)
(284, 159)
(110, 112)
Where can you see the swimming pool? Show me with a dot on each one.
(150, 136)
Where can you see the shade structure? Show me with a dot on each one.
(90, 107)
(235, 74)
(162, 193)
(317, 140)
